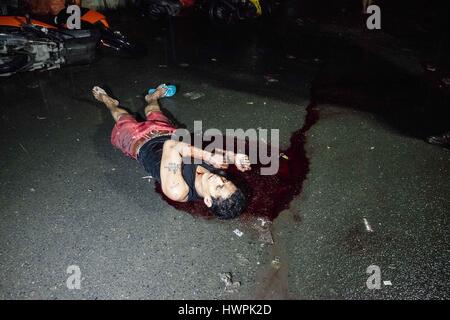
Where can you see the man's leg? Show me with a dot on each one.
(152, 100)
(111, 104)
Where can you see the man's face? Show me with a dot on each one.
(217, 186)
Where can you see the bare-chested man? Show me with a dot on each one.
(162, 157)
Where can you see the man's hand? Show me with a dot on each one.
(217, 161)
(242, 162)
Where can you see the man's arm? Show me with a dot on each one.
(189, 151)
(172, 181)
(240, 160)
(220, 159)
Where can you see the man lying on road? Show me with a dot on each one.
(162, 157)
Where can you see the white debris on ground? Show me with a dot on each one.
(430, 67)
(263, 225)
(367, 225)
(270, 79)
(230, 286)
(184, 64)
(276, 264)
(194, 95)
(149, 178)
(238, 232)
(282, 155)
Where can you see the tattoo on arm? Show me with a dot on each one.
(173, 167)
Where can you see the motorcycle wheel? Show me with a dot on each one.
(10, 64)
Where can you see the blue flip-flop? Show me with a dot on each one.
(170, 90)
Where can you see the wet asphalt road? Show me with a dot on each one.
(376, 193)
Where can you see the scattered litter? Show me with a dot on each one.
(238, 232)
(290, 56)
(372, 148)
(32, 190)
(317, 60)
(270, 79)
(230, 286)
(113, 169)
(194, 95)
(41, 118)
(149, 178)
(264, 103)
(263, 221)
(78, 140)
(69, 118)
(33, 86)
(162, 66)
(368, 227)
(328, 147)
(387, 283)
(446, 81)
(89, 190)
(263, 227)
(213, 59)
(250, 102)
(282, 155)
(184, 64)
(276, 264)
(430, 67)
(299, 22)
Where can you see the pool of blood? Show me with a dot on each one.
(267, 195)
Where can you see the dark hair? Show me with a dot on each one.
(229, 208)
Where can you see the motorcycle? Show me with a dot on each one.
(115, 40)
(220, 12)
(28, 44)
(34, 45)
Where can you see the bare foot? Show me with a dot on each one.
(102, 96)
(159, 93)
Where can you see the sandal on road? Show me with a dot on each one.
(169, 92)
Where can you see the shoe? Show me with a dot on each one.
(170, 90)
